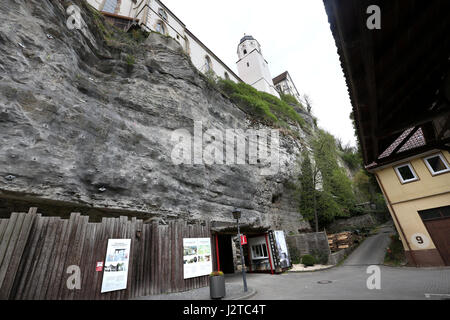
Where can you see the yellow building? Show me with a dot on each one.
(417, 191)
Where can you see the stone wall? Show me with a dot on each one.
(315, 243)
(338, 256)
(369, 220)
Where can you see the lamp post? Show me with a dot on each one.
(237, 216)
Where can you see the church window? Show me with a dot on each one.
(208, 64)
(245, 51)
(110, 6)
(187, 46)
(160, 27)
(162, 13)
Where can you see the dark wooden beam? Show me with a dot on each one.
(411, 120)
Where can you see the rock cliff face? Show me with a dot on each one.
(82, 125)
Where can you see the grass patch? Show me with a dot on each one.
(291, 100)
(130, 60)
(261, 105)
(395, 253)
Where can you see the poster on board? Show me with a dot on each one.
(197, 258)
(115, 273)
(283, 252)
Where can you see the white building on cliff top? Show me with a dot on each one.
(252, 66)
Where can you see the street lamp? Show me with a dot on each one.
(237, 216)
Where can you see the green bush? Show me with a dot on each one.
(290, 99)
(261, 105)
(130, 60)
(352, 159)
(308, 260)
(395, 253)
(320, 257)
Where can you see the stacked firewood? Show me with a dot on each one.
(340, 241)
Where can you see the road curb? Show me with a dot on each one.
(317, 270)
(251, 292)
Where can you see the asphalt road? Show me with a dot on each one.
(373, 249)
(349, 281)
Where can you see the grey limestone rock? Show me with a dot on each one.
(78, 126)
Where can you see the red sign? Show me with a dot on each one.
(99, 266)
(243, 239)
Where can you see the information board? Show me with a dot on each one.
(197, 257)
(115, 273)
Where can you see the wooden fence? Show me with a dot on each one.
(35, 252)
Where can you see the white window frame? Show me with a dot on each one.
(444, 161)
(410, 168)
(254, 253)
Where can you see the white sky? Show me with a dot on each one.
(294, 36)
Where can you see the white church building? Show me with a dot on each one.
(153, 15)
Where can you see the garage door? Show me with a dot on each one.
(437, 222)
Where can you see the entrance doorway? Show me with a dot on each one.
(224, 244)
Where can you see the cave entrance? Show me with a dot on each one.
(224, 253)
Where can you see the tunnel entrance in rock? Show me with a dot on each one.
(225, 253)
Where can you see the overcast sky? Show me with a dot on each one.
(294, 36)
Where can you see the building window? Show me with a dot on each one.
(405, 173)
(259, 251)
(227, 76)
(162, 13)
(437, 164)
(248, 64)
(160, 27)
(110, 6)
(208, 64)
(245, 51)
(120, 23)
(187, 46)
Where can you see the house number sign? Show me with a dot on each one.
(420, 240)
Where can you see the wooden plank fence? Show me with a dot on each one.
(36, 251)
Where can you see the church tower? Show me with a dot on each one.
(253, 69)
